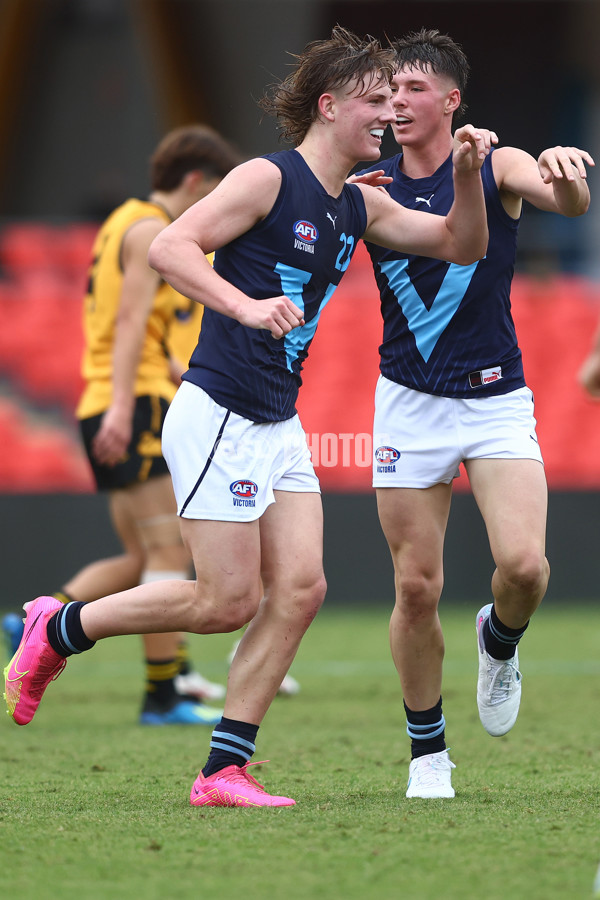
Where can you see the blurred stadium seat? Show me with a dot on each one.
(28, 246)
(37, 457)
(42, 279)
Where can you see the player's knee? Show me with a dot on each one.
(295, 604)
(417, 596)
(527, 573)
(161, 534)
(223, 614)
(313, 598)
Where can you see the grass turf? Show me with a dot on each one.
(94, 806)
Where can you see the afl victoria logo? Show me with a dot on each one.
(245, 490)
(306, 231)
(387, 455)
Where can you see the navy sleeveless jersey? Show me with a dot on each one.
(448, 329)
(301, 249)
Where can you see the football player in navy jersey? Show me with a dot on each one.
(452, 390)
(284, 228)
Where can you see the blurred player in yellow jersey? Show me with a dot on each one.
(131, 374)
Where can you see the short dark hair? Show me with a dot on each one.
(323, 66)
(428, 49)
(188, 148)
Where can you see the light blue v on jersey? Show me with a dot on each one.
(301, 249)
(448, 329)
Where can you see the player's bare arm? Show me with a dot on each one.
(243, 198)
(555, 182)
(140, 284)
(461, 236)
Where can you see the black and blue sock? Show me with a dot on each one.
(65, 633)
(426, 730)
(232, 744)
(499, 640)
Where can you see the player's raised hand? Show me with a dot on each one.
(563, 162)
(275, 314)
(471, 146)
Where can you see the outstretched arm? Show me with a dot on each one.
(555, 182)
(564, 169)
(461, 236)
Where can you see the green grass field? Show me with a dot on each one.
(93, 806)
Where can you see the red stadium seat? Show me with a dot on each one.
(39, 458)
(41, 344)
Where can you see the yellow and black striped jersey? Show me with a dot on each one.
(101, 306)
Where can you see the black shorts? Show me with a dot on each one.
(143, 458)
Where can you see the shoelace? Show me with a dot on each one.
(501, 680)
(427, 773)
(243, 776)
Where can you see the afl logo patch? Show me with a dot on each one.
(244, 489)
(306, 231)
(387, 455)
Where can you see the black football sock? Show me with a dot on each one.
(161, 695)
(232, 744)
(65, 634)
(426, 729)
(499, 640)
(183, 659)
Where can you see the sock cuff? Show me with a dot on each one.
(502, 632)
(232, 739)
(425, 732)
(65, 632)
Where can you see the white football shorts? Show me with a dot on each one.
(225, 467)
(420, 439)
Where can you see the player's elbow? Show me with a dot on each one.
(579, 210)
(472, 254)
(158, 254)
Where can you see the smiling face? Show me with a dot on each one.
(424, 104)
(360, 115)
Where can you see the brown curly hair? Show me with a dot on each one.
(187, 148)
(324, 66)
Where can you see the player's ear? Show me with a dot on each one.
(194, 177)
(326, 106)
(452, 101)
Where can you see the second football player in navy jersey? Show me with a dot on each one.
(436, 331)
(452, 390)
